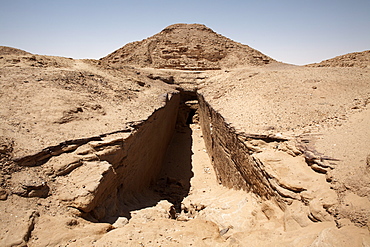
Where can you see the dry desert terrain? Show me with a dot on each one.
(185, 138)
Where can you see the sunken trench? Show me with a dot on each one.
(165, 140)
(154, 163)
(108, 177)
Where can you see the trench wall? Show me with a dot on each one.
(278, 174)
(110, 172)
(146, 148)
(142, 155)
(234, 166)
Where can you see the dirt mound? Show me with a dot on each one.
(5, 50)
(186, 47)
(355, 59)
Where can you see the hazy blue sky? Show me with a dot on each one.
(292, 31)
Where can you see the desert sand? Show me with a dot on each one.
(185, 138)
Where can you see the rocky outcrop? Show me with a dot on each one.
(24, 222)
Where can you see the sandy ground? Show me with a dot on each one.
(282, 157)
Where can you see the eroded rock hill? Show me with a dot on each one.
(5, 50)
(355, 59)
(186, 47)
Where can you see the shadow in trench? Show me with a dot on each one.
(174, 182)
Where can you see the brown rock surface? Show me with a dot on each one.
(355, 59)
(5, 50)
(186, 47)
(230, 148)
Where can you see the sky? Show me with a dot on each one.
(292, 31)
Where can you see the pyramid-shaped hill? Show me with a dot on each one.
(186, 47)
